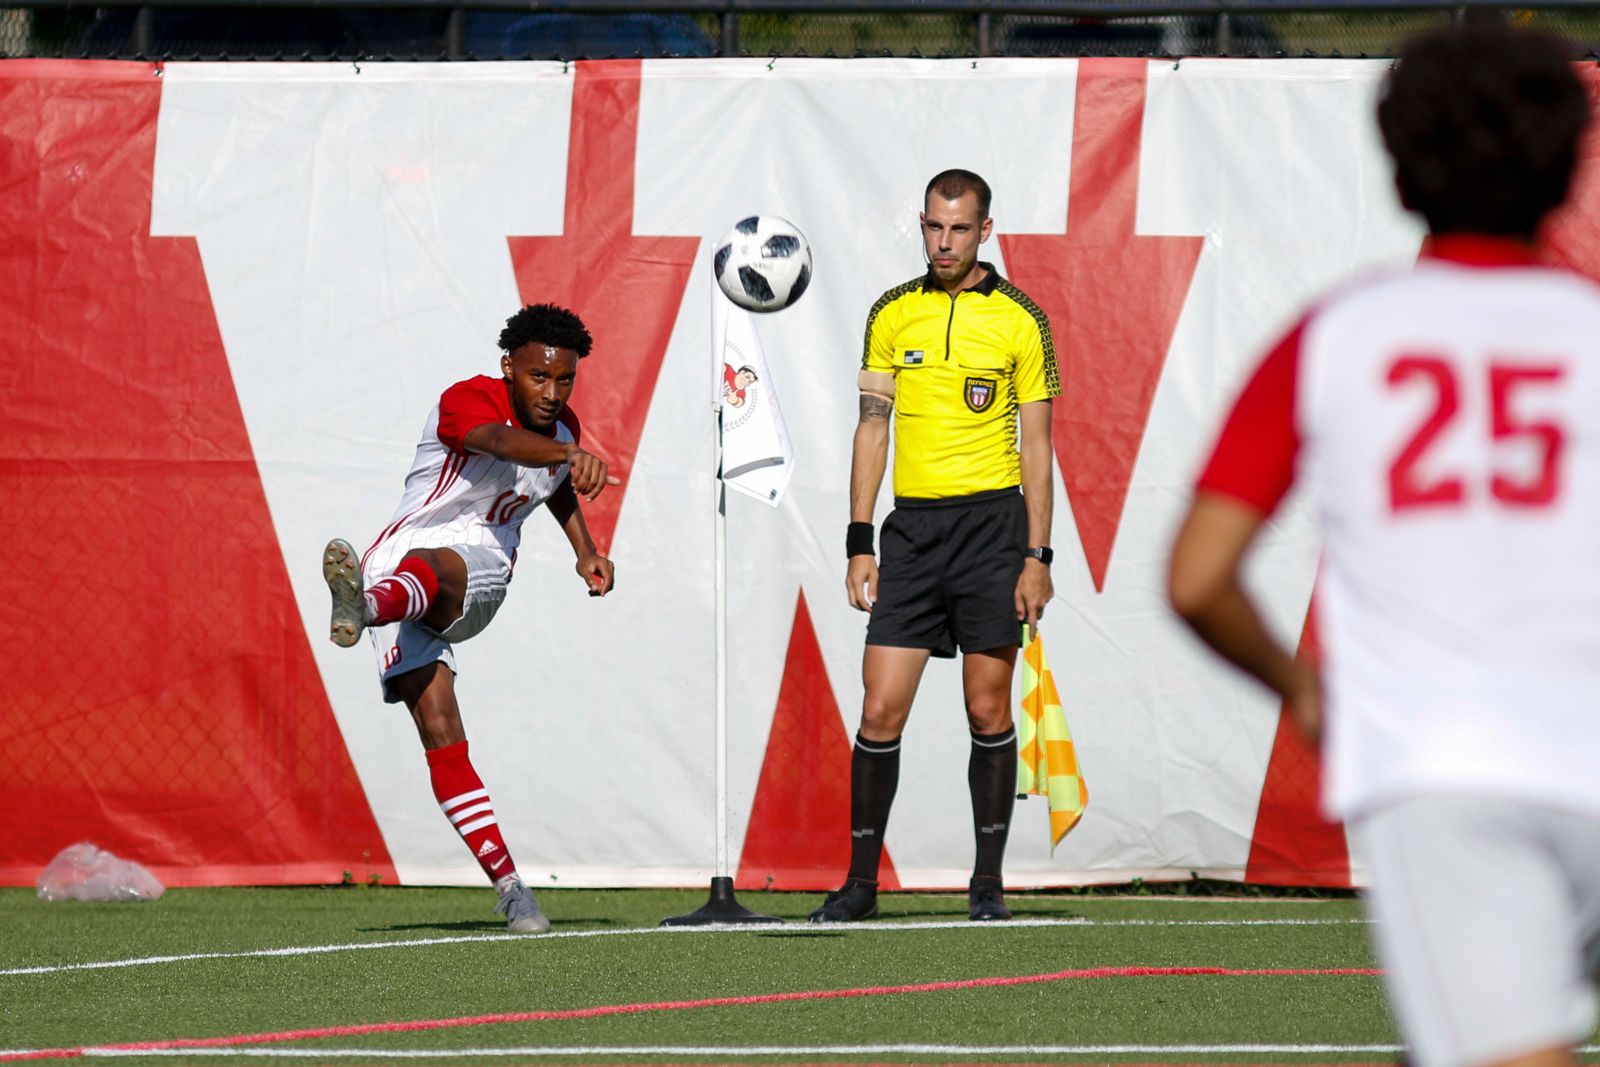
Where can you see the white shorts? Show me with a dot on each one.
(1488, 922)
(405, 646)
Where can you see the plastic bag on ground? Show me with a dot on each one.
(84, 872)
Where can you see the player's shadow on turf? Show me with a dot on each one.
(476, 926)
(465, 926)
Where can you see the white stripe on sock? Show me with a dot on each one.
(417, 602)
(461, 815)
(999, 742)
(479, 824)
(456, 801)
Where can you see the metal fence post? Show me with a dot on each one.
(143, 33)
(730, 32)
(985, 33)
(455, 34)
(1224, 41)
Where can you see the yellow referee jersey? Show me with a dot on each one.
(961, 365)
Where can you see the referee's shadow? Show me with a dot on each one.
(1021, 908)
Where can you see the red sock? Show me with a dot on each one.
(465, 802)
(404, 595)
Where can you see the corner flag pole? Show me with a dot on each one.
(722, 906)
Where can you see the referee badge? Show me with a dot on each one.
(980, 393)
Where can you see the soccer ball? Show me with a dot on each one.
(763, 263)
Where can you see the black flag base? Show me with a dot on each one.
(721, 908)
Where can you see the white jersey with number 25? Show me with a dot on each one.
(1446, 423)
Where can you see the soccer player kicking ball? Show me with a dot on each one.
(492, 451)
(1445, 421)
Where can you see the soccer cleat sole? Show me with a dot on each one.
(342, 571)
(530, 924)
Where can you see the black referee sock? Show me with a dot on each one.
(874, 776)
(992, 777)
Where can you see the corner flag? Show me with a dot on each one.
(757, 457)
(1047, 763)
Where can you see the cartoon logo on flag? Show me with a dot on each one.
(739, 392)
(980, 393)
(757, 456)
(736, 383)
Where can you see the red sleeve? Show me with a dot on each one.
(1254, 458)
(467, 405)
(569, 419)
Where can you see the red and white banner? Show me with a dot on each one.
(231, 293)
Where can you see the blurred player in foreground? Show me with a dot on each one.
(1445, 422)
(492, 451)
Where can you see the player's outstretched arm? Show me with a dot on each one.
(596, 570)
(589, 474)
(1034, 587)
(1203, 585)
(869, 457)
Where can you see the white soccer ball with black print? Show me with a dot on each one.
(763, 263)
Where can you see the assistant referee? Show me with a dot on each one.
(965, 362)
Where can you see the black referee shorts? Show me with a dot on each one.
(947, 573)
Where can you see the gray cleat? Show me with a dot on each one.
(521, 908)
(341, 569)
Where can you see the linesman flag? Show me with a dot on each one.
(1047, 763)
(757, 457)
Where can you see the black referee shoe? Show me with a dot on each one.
(856, 899)
(986, 901)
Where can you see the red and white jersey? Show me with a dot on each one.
(457, 497)
(1446, 422)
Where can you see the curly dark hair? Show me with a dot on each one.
(1483, 122)
(956, 183)
(546, 324)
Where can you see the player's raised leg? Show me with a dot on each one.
(429, 585)
(991, 774)
(429, 693)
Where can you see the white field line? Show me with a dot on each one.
(737, 1050)
(986, 1051)
(794, 928)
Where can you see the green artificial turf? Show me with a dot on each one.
(626, 960)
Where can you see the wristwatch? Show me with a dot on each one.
(1043, 554)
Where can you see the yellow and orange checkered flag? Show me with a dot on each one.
(1047, 763)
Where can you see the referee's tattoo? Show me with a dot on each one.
(874, 406)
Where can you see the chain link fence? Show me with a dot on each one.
(428, 30)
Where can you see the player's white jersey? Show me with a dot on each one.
(456, 497)
(1446, 422)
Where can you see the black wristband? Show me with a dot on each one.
(858, 539)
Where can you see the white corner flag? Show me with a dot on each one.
(757, 457)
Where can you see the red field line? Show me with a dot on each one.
(415, 1025)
